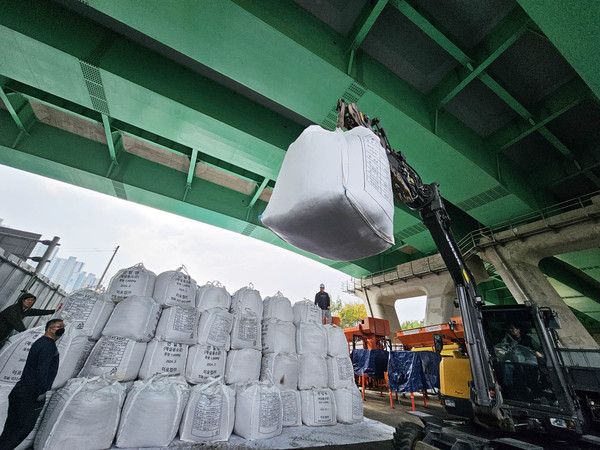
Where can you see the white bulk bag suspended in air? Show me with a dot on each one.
(204, 362)
(349, 405)
(278, 336)
(311, 338)
(278, 307)
(152, 412)
(258, 411)
(312, 371)
(72, 346)
(340, 373)
(82, 415)
(175, 288)
(318, 407)
(246, 330)
(292, 408)
(213, 295)
(135, 280)
(116, 358)
(178, 324)
(281, 369)
(86, 310)
(14, 354)
(214, 328)
(163, 357)
(333, 195)
(247, 298)
(210, 413)
(242, 366)
(337, 345)
(134, 318)
(307, 312)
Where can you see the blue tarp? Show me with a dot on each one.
(370, 362)
(414, 371)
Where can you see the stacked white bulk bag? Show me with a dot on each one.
(178, 324)
(312, 371)
(210, 413)
(292, 408)
(134, 318)
(115, 357)
(246, 330)
(278, 336)
(247, 298)
(349, 405)
(213, 295)
(152, 412)
(306, 312)
(86, 310)
(175, 288)
(258, 411)
(318, 407)
(242, 366)
(340, 372)
(333, 195)
(311, 338)
(281, 369)
(163, 357)
(214, 328)
(337, 345)
(278, 307)
(14, 354)
(135, 280)
(204, 362)
(72, 346)
(5, 389)
(82, 415)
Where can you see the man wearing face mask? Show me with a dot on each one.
(27, 398)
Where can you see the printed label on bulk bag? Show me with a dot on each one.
(207, 416)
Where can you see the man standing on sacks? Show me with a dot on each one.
(26, 400)
(323, 301)
(12, 317)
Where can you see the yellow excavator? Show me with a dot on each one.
(511, 381)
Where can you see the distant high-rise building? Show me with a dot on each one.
(67, 272)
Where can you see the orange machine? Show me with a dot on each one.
(372, 333)
(422, 338)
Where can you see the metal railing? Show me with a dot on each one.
(490, 236)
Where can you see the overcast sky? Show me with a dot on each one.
(90, 225)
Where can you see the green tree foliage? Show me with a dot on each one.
(349, 313)
(410, 324)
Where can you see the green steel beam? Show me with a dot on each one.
(190, 174)
(560, 101)
(364, 24)
(259, 191)
(573, 29)
(555, 172)
(13, 113)
(430, 30)
(572, 277)
(499, 40)
(63, 156)
(111, 144)
(505, 96)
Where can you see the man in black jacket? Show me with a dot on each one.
(26, 400)
(323, 301)
(12, 317)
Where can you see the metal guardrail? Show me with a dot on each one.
(489, 236)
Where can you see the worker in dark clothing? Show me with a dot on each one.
(26, 400)
(323, 301)
(12, 317)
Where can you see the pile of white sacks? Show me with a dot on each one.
(155, 356)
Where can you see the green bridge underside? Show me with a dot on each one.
(189, 107)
